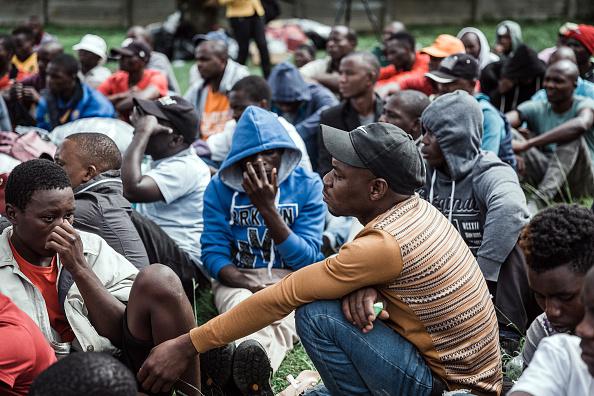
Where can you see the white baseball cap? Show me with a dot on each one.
(94, 44)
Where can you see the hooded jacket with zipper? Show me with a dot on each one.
(234, 230)
(115, 273)
(287, 85)
(480, 195)
(102, 209)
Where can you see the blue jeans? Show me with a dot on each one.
(352, 363)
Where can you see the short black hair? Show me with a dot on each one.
(557, 236)
(7, 42)
(255, 87)
(412, 101)
(66, 63)
(369, 59)
(85, 373)
(404, 37)
(309, 48)
(26, 30)
(31, 176)
(97, 149)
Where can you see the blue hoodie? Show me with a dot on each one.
(287, 85)
(234, 230)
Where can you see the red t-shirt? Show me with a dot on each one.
(45, 279)
(118, 82)
(389, 74)
(24, 351)
(418, 83)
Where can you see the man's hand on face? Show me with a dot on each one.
(357, 308)
(147, 124)
(166, 363)
(66, 242)
(31, 94)
(261, 191)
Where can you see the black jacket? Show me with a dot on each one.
(344, 117)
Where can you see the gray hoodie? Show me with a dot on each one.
(481, 195)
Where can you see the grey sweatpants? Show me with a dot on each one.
(566, 173)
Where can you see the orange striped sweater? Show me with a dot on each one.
(437, 297)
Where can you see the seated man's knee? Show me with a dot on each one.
(158, 281)
(307, 313)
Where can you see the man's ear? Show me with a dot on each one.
(90, 173)
(264, 104)
(11, 213)
(378, 188)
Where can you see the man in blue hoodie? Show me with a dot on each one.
(263, 219)
(300, 103)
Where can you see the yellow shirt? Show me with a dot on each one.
(28, 66)
(437, 297)
(242, 8)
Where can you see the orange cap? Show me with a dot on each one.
(444, 45)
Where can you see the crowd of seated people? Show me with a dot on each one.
(407, 214)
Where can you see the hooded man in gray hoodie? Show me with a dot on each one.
(480, 195)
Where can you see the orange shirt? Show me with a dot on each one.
(215, 114)
(118, 82)
(45, 279)
(389, 74)
(6, 81)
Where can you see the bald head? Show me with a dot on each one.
(566, 68)
(562, 53)
(365, 60)
(404, 109)
(140, 33)
(216, 48)
(96, 149)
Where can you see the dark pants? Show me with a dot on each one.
(514, 300)
(246, 28)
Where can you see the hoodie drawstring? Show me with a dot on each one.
(451, 195)
(272, 255)
(232, 208)
(452, 200)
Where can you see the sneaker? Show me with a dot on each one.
(252, 370)
(216, 368)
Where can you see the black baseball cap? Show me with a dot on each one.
(386, 150)
(132, 47)
(175, 110)
(455, 67)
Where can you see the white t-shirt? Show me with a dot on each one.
(557, 369)
(220, 143)
(182, 180)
